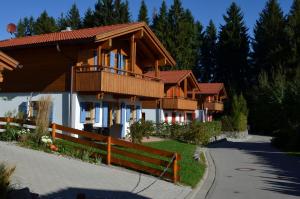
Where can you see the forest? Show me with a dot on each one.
(265, 68)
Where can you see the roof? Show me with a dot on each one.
(95, 34)
(86, 33)
(210, 88)
(172, 76)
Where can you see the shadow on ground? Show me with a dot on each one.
(72, 193)
(284, 169)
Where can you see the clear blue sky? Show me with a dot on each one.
(203, 10)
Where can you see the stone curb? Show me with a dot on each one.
(206, 184)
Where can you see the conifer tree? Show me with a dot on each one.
(293, 30)
(270, 39)
(143, 13)
(45, 24)
(89, 19)
(104, 13)
(25, 27)
(73, 18)
(233, 51)
(160, 23)
(208, 61)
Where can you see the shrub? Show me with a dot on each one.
(10, 133)
(202, 132)
(140, 129)
(5, 178)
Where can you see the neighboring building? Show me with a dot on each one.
(176, 105)
(210, 98)
(94, 76)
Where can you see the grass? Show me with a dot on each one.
(191, 171)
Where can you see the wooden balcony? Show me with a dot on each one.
(214, 106)
(179, 103)
(110, 80)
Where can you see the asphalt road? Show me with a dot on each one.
(254, 170)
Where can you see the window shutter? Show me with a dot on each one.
(127, 113)
(138, 113)
(112, 61)
(82, 112)
(123, 121)
(104, 114)
(97, 112)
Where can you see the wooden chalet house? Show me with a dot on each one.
(210, 98)
(176, 105)
(95, 77)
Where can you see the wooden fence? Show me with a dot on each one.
(118, 152)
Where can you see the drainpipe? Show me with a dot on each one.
(71, 97)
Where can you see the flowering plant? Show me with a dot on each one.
(46, 139)
(23, 132)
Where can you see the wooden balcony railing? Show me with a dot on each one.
(112, 80)
(214, 106)
(179, 103)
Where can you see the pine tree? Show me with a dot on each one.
(89, 19)
(45, 24)
(73, 18)
(233, 51)
(62, 22)
(270, 39)
(121, 12)
(25, 27)
(293, 30)
(143, 13)
(182, 36)
(104, 13)
(208, 61)
(160, 23)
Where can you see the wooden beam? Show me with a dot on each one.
(139, 34)
(1, 77)
(156, 69)
(163, 61)
(99, 55)
(4, 65)
(193, 94)
(185, 87)
(132, 53)
(100, 96)
(107, 44)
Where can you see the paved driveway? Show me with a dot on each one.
(59, 177)
(254, 170)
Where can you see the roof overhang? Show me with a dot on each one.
(7, 63)
(145, 31)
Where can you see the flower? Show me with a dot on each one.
(46, 139)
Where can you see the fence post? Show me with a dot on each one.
(175, 168)
(8, 120)
(53, 131)
(108, 150)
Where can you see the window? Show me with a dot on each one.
(33, 110)
(89, 112)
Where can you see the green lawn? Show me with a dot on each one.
(191, 171)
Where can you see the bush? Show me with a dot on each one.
(140, 129)
(202, 132)
(5, 177)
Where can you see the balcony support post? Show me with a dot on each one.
(185, 87)
(99, 55)
(156, 69)
(132, 53)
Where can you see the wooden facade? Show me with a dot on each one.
(6, 63)
(88, 64)
(213, 106)
(179, 104)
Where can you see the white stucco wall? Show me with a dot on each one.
(12, 101)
